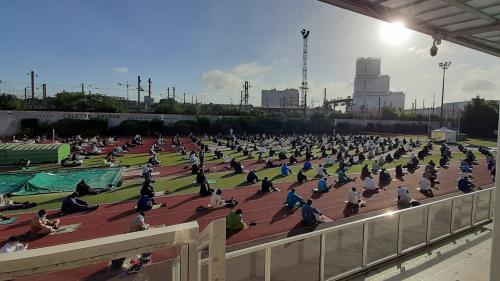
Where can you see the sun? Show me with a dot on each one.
(394, 33)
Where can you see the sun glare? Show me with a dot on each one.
(394, 33)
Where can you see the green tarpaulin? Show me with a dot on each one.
(61, 181)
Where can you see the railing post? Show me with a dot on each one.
(429, 224)
(217, 251)
(322, 254)
(267, 266)
(492, 194)
(189, 262)
(365, 244)
(400, 234)
(474, 207)
(452, 220)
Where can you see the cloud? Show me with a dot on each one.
(473, 86)
(480, 81)
(220, 80)
(120, 69)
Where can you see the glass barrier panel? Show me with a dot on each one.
(440, 219)
(462, 212)
(482, 201)
(159, 265)
(344, 250)
(382, 238)
(492, 210)
(414, 227)
(297, 260)
(249, 267)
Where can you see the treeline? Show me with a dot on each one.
(250, 125)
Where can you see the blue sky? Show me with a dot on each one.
(207, 48)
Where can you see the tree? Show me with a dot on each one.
(9, 102)
(480, 118)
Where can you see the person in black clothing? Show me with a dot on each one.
(301, 177)
(147, 190)
(267, 186)
(252, 177)
(384, 177)
(365, 172)
(84, 189)
(205, 189)
(194, 169)
(200, 177)
(73, 204)
(399, 171)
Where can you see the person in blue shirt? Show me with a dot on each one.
(73, 204)
(285, 170)
(307, 165)
(323, 185)
(465, 185)
(293, 200)
(145, 203)
(311, 215)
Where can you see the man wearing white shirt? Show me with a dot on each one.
(404, 195)
(370, 184)
(216, 200)
(354, 197)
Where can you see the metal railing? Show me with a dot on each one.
(336, 252)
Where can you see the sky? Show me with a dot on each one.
(207, 48)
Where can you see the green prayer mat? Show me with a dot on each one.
(9, 221)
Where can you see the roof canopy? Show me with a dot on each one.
(443, 129)
(470, 23)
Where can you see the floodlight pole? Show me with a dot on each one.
(495, 238)
(444, 66)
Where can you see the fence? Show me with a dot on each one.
(336, 252)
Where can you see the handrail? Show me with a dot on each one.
(287, 240)
(77, 254)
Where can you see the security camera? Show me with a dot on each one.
(434, 50)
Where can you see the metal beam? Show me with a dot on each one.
(471, 10)
(475, 30)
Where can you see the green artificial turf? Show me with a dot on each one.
(480, 142)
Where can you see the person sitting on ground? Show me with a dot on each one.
(269, 163)
(41, 225)
(234, 221)
(138, 223)
(404, 195)
(388, 158)
(73, 204)
(425, 185)
(301, 177)
(465, 185)
(205, 189)
(329, 161)
(320, 172)
(399, 171)
(381, 161)
(354, 198)
(7, 204)
(465, 166)
(292, 160)
(238, 169)
(285, 170)
(384, 177)
(267, 186)
(293, 200)
(323, 185)
(147, 189)
(375, 167)
(307, 165)
(365, 172)
(311, 215)
(342, 177)
(154, 161)
(200, 177)
(370, 184)
(84, 189)
(252, 177)
(412, 163)
(13, 245)
(145, 203)
(216, 200)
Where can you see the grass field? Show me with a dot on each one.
(480, 142)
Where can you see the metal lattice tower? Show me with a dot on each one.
(303, 88)
(246, 87)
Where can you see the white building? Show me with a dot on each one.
(371, 89)
(273, 98)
